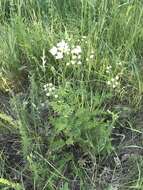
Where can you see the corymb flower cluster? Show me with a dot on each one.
(91, 56)
(63, 49)
(114, 82)
(109, 69)
(75, 56)
(50, 90)
(60, 49)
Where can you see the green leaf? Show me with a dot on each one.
(70, 141)
(61, 123)
(58, 144)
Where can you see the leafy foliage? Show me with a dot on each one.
(91, 129)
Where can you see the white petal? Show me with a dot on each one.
(116, 83)
(117, 77)
(79, 49)
(76, 50)
(53, 51)
(91, 56)
(74, 57)
(108, 82)
(59, 55)
(79, 56)
(53, 88)
(73, 62)
(48, 94)
(56, 96)
(50, 89)
(61, 44)
(79, 62)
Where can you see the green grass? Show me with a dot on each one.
(66, 138)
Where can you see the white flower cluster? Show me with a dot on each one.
(91, 56)
(60, 49)
(83, 39)
(108, 69)
(114, 82)
(75, 56)
(50, 90)
(76, 50)
(119, 63)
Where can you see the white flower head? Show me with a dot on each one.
(50, 89)
(120, 63)
(79, 57)
(59, 50)
(73, 62)
(76, 50)
(109, 67)
(53, 51)
(117, 77)
(68, 51)
(91, 56)
(48, 94)
(113, 82)
(56, 96)
(53, 88)
(84, 37)
(45, 86)
(74, 57)
(116, 83)
(109, 82)
(79, 62)
(59, 55)
(68, 64)
(107, 71)
(63, 46)
(50, 84)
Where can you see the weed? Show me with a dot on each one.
(73, 74)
